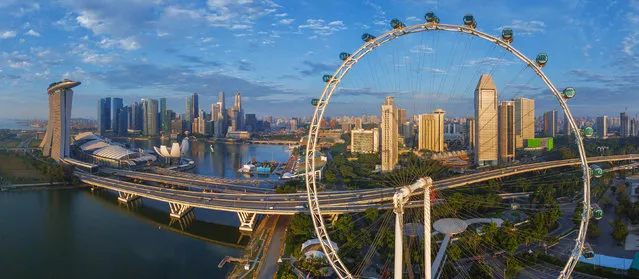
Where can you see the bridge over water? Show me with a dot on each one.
(248, 203)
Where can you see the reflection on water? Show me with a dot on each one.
(226, 159)
(79, 234)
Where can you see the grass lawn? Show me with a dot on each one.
(14, 169)
(11, 143)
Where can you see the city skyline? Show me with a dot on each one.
(152, 60)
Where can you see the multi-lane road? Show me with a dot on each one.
(244, 198)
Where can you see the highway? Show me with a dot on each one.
(332, 202)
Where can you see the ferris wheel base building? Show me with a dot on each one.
(55, 143)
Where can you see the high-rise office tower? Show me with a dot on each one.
(104, 115)
(250, 122)
(237, 114)
(524, 120)
(122, 120)
(196, 104)
(625, 124)
(401, 114)
(215, 111)
(389, 135)
(634, 127)
(470, 133)
(431, 131)
(486, 124)
(188, 109)
(150, 108)
(165, 118)
(567, 130)
(602, 127)
(116, 105)
(550, 123)
(506, 131)
(55, 143)
(365, 141)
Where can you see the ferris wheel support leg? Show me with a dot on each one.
(427, 229)
(399, 219)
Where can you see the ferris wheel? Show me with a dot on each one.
(411, 193)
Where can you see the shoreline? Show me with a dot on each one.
(16, 188)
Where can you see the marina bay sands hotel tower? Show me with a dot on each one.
(55, 143)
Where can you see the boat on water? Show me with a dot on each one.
(212, 148)
(249, 167)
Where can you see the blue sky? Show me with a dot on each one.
(275, 53)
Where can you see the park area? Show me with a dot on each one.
(19, 169)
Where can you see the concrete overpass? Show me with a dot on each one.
(249, 204)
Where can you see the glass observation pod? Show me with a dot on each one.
(588, 132)
(587, 252)
(315, 102)
(507, 35)
(541, 59)
(469, 21)
(327, 78)
(396, 23)
(568, 93)
(596, 212)
(431, 17)
(367, 37)
(344, 55)
(596, 171)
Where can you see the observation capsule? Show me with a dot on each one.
(541, 59)
(344, 55)
(396, 23)
(469, 21)
(587, 251)
(315, 102)
(507, 35)
(588, 132)
(327, 78)
(568, 93)
(596, 212)
(367, 37)
(431, 17)
(596, 171)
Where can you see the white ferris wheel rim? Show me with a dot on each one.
(311, 185)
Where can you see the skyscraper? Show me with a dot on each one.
(104, 115)
(122, 120)
(250, 122)
(567, 129)
(431, 131)
(55, 143)
(188, 110)
(634, 127)
(215, 111)
(150, 108)
(602, 127)
(389, 135)
(196, 105)
(237, 114)
(116, 105)
(506, 131)
(470, 133)
(365, 141)
(625, 124)
(486, 124)
(550, 123)
(165, 118)
(524, 120)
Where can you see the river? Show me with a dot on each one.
(75, 233)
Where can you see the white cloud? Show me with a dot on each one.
(421, 49)
(127, 43)
(94, 58)
(321, 28)
(491, 61)
(281, 15)
(522, 27)
(585, 50)
(206, 40)
(7, 34)
(286, 21)
(32, 33)
(629, 42)
(412, 18)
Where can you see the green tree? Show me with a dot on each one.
(301, 226)
(512, 267)
(371, 214)
(454, 252)
(593, 230)
(480, 271)
(619, 230)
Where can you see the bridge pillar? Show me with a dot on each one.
(179, 210)
(247, 220)
(126, 197)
